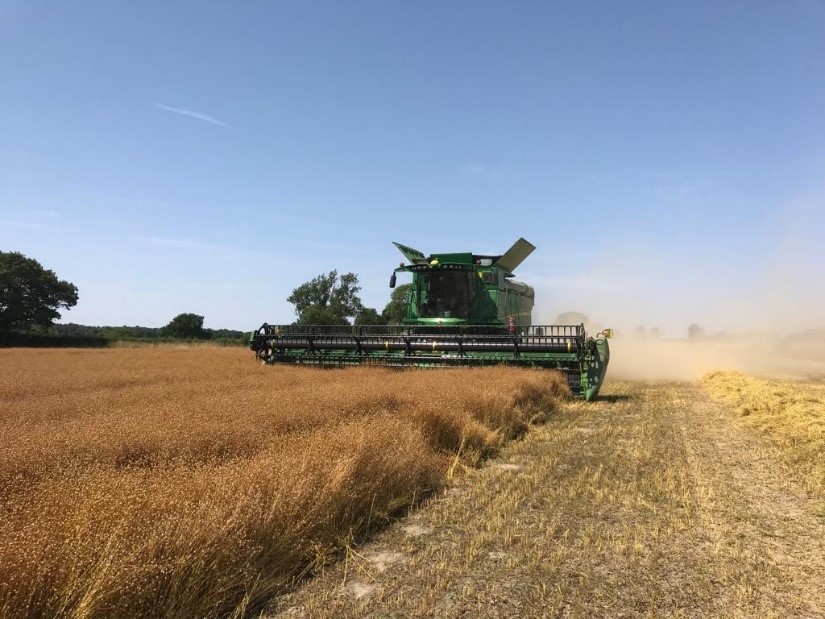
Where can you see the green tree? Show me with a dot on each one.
(315, 315)
(369, 316)
(30, 295)
(186, 326)
(396, 309)
(327, 299)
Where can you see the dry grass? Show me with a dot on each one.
(158, 482)
(790, 413)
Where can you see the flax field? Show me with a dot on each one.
(196, 483)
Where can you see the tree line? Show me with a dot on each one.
(183, 326)
(32, 297)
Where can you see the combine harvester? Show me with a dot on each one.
(463, 310)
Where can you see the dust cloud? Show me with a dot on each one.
(779, 357)
(751, 286)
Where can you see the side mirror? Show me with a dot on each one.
(392, 280)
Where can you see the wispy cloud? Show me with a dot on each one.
(45, 214)
(33, 218)
(191, 114)
(184, 243)
(659, 183)
(484, 170)
(19, 223)
(102, 197)
(205, 246)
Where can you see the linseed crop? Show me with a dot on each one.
(158, 482)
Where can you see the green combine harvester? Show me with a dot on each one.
(464, 310)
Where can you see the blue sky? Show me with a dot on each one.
(667, 159)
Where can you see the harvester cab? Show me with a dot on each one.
(465, 289)
(464, 309)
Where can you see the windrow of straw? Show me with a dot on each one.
(158, 482)
(790, 413)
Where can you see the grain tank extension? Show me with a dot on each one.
(464, 309)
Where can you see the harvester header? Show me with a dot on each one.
(464, 309)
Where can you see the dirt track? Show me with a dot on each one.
(653, 502)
